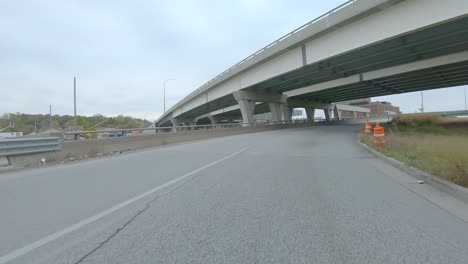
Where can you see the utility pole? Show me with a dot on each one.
(50, 116)
(75, 123)
(165, 92)
(422, 102)
(74, 99)
(464, 91)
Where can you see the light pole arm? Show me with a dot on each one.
(10, 125)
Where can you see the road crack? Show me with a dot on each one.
(146, 207)
(117, 231)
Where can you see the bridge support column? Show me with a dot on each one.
(213, 120)
(247, 100)
(247, 108)
(280, 112)
(275, 112)
(336, 113)
(367, 115)
(310, 112)
(189, 125)
(287, 112)
(175, 123)
(327, 114)
(354, 115)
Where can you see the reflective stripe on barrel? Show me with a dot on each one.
(368, 127)
(379, 136)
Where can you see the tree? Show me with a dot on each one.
(20, 125)
(80, 121)
(25, 122)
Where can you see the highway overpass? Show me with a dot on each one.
(363, 48)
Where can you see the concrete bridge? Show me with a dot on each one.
(363, 48)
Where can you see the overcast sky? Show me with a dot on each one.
(122, 51)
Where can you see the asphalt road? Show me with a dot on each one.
(309, 195)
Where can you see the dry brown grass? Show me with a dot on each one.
(430, 143)
(432, 118)
(427, 124)
(440, 154)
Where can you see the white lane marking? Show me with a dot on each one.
(25, 250)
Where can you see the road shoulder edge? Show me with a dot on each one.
(453, 189)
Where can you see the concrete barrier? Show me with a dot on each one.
(83, 149)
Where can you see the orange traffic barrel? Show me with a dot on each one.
(368, 128)
(379, 136)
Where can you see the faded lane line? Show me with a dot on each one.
(50, 238)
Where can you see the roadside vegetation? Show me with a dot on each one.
(27, 123)
(435, 145)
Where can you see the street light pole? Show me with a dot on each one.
(464, 91)
(50, 116)
(74, 100)
(165, 92)
(422, 102)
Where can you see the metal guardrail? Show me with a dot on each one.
(22, 146)
(154, 129)
(127, 131)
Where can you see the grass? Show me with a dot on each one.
(429, 144)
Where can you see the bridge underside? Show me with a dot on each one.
(432, 78)
(232, 115)
(439, 40)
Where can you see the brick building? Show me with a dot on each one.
(377, 108)
(381, 108)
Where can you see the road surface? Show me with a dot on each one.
(306, 195)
